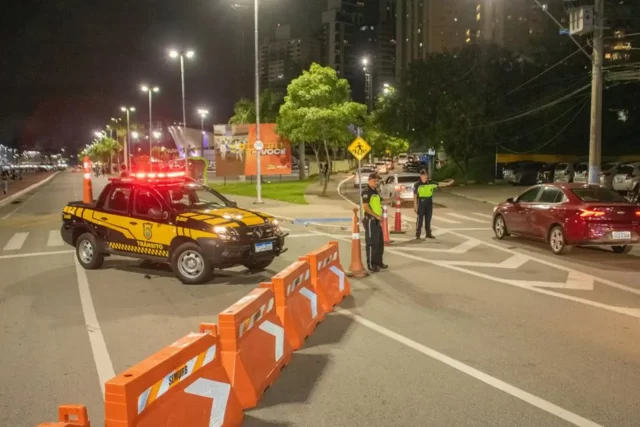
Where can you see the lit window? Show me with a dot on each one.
(420, 44)
(478, 7)
(478, 16)
(419, 30)
(468, 40)
(468, 33)
(455, 19)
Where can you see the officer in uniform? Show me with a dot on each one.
(372, 205)
(423, 202)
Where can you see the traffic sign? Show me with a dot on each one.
(359, 148)
(258, 145)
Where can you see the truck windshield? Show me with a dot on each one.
(185, 197)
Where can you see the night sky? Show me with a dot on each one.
(66, 66)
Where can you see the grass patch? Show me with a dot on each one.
(288, 191)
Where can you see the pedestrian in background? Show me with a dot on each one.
(5, 182)
(372, 205)
(423, 202)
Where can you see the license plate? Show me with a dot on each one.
(264, 247)
(621, 235)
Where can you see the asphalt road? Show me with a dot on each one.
(431, 342)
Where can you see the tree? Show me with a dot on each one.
(102, 150)
(317, 111)
(382, 143)
(244, 111)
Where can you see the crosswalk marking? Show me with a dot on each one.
(466, 218)
(16, 242)
(483, 215)
(448, 221)
(55, 239)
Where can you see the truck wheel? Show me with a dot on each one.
(190, 265)
(88, 252)
(259, 265)
(623, 249)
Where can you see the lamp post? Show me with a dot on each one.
(257, 66)
(368, 88)
(190, 54)
(127, 148)
(151, 91)
(203, 114)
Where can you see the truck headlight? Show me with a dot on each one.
(220, 230)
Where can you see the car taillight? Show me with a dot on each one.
(637, 213)
(586, 213)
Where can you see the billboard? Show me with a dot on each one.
(235, 155)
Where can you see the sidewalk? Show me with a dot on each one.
(15, 187)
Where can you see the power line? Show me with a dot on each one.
(573, 119)
(573, 39)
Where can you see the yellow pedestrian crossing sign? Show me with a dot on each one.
(359, 148)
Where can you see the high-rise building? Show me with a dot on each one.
(341, 23)
(284, 57)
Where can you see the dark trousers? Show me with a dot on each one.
(374, 241)
(425, 212)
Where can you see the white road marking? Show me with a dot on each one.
(96, 339)
(496, 383)
(578, 281)
(512, 263)
(36, 254)
(448, 221)
(466, 218)
(462, 248)
(16, 242)
(483, 215)
(55, 239)
(297, 236)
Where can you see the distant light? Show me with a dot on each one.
(144, 88)
(190, 54)
(123, 109)
(365, 61)
(156, 89)
(135, 134)
(133, 109)
(173, 54)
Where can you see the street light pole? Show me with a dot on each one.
(127, 143)
(257, 66)
(150, 89)
(189, 54)
(202, 113)
(595, 137)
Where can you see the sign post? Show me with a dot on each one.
(258, 146)
(359, 149)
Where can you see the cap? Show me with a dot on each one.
(373, 176)
(423, 172)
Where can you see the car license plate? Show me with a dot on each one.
(621, 235)
(264, 247)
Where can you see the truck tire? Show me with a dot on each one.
(190, 265)
(88, 252)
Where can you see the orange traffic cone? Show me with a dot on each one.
(385, 226)
(87, 187)
(398, 218)
(356, 269)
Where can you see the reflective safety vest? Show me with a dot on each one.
(425, 191)
(375, 202)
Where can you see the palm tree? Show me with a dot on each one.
(244, 112)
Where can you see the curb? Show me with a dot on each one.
(26, 190)
(475, 199)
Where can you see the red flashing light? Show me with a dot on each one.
(159, 175)
(590, 214)
(637, 213)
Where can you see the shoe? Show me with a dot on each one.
(383, 266)
(374, 269)
(430, 236)
(418, 237)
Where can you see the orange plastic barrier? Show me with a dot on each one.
(87, 187)
(70, 416)
(181, 385)
(297, 303)
(253, 345)
(327, 276)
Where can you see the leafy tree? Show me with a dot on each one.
(244, 112)
(382, 142)
(103, 150)
(317, 111)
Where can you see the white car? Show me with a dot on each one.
(402, 159)
(363, 178)
(581, 173)
(399, 184)
(382, 167)
(626, 177)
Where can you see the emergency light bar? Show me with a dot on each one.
(150, 176)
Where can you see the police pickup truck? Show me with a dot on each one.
(165, 217)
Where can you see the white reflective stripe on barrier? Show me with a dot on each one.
(355, 236)
(335, 270)
(216, 391)
(313, 300)
(278, 334)
(87, 176)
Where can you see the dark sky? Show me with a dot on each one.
(66, 66)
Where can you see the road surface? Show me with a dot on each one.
(431, 342)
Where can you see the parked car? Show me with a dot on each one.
(545, 174)
(414, 167)
(525, 173)
(564, 173)
(626, 177)
(382, 167)
(567, 215)
(399, 184)
(402, 159)
(508, 170)
(363, 177)
(607, 172)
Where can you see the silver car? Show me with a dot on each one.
(399, 184)
(581, 173)
(363, 178)
(607, 172)
(626, 177)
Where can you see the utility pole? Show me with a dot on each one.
(595, 137)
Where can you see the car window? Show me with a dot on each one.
(582, 168)
(144, 201)
(551, 195)
(562, 166)
(625, 170)
(389, 180)
(529, 195)
(598, 195)
(118, 200)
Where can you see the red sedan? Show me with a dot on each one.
(567, 215)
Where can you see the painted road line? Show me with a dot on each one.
(466, 218)
(448, 221)
(16, 242)
(298, 236)
(462, 248)
(36, 254)
(483, 215)
(55, 239)
(96, 339)
(494, 382)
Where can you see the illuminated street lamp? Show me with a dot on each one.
(127, 148)
(190, 54)
(150, 90)
(203, 114)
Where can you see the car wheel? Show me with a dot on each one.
(557, 241)
(190, 265)
(500, 227)
(88, 253)
(622, 249)
(259, 265)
